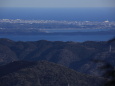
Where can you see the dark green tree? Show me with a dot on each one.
(109, 74)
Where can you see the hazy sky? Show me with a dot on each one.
(57, 3)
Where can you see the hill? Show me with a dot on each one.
(42, 73)
(75, 55)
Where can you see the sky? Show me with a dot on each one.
(57, 3)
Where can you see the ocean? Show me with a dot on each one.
(65, 38)
(67, 14)
(59, 14)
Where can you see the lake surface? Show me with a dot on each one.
(76, 38)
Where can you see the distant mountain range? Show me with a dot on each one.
(80, 56)
(43, 73)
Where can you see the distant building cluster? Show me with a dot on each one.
(50, 26)
(60, 22)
